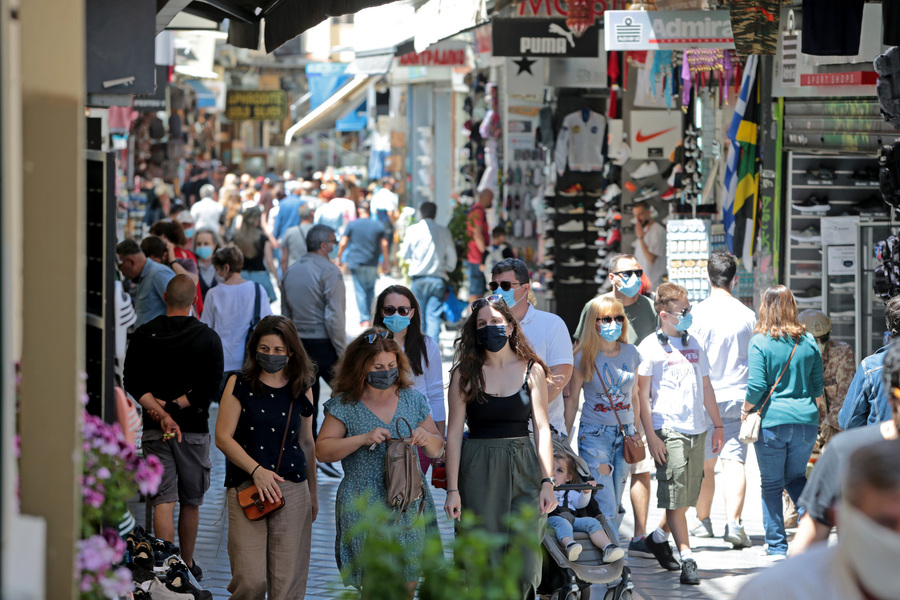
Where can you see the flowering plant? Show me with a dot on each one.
(113, 473)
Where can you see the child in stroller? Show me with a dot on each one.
(570, 502)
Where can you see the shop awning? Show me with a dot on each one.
(324, 116)
(283, 19)
(377, 64)
(206, 98)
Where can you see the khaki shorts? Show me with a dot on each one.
(680, 477)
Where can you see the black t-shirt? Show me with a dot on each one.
(261, 427)
(832, 27)
(823, 489)
(258, 262)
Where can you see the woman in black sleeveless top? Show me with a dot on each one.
(270, 557)
(498, 384)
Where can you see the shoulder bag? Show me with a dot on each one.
(255, 319)
(633, 448)
(255, 506)
(750, 427)
(403, 482)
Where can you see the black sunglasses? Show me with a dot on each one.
(492, 299)
(371, 337)
(623, 274)
(403, 311)
(503, 285)
(607, 320)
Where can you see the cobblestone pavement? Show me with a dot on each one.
(722, 569)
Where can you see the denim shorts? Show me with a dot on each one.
(733, 449)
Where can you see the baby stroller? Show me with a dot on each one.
(563, 579)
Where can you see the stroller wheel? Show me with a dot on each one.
(617, 594)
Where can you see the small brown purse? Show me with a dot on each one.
(633, 448)
(255, 506)
(403, 483)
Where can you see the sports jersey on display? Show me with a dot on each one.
(581, 142)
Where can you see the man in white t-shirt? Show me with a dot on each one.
(723, 326)
(207, 212)
(676, 398)
(546, 332)
(650, 245)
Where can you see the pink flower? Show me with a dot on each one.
(103, 473)
(117, 584)
(149, 475)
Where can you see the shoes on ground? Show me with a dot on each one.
(662, 552)
(196, 571)
(703, 528)
(689, 574)
(737, 537)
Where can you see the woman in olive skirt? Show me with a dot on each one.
(498, 385)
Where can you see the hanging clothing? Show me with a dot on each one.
(582, 142)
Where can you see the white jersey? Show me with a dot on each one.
(581, 142)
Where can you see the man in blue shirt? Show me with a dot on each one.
(150, 279)
(364, 241)
(867, 401)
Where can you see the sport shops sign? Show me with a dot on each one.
(543, 37)
(667, 30)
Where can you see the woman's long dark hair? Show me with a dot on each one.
(414, 348)
(299, 370)
(469, 356)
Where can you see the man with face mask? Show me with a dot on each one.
(822, 492)
(650, 243)
(863, 563)
(545, 331)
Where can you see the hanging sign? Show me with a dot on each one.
(667, 29)
(255, 105)
(543, 37)
(436, 56)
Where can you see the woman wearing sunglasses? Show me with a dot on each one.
(397, 310)
(499, 385)
(372, 391)
(605, 366)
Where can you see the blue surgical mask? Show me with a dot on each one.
(395, 323)
(203, 252)
(610, 332)
(684, 322)
(508, 296)
(189, 232)
(631, 286)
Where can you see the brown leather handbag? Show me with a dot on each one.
(633, 448)
(403, 482)
(255, 506)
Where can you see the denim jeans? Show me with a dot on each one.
(430, 292)
(262, 278)
(605, 445)
(782, 452)
(364, 284)
(564, 529)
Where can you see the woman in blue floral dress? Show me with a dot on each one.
(371, 393)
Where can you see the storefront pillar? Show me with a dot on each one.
(52, 46)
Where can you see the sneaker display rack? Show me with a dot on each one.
(688, 245)
(826, 196)
(522, 184)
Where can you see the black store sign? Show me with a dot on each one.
(543, 37)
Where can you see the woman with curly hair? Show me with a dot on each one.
(499, 385)
(372, 392)
(271, 393)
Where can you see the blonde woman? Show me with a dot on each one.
(605, 368)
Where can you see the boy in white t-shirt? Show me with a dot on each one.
(676, 397)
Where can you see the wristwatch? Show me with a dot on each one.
(548, 480)
(172, 407)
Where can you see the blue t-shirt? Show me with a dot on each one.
(619, 376)
(364, 246)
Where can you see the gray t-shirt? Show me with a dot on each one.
(294, 242)
(642, 318)
(618, 376)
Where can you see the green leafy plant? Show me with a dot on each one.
(484, 566)
(459, 229)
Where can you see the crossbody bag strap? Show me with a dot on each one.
(609, 398)
(284, 437)
(775, 385)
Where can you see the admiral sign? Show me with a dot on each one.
(542, 37)
(667, 30)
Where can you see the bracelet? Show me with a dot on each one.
(547, 480)
(451, 491)
(718, 427)
(254, 470)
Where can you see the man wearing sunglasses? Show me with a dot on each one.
(546, 331)
(431, 253)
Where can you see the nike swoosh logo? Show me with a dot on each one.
(640, 137)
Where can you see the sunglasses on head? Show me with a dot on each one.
(503, 285)
(607, 320)
(371, 337)
(403, 311)
(624, 274)
(492, 299)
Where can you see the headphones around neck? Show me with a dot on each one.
(663, 337)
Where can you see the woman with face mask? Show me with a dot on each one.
(605, 368)
(206, 242)
(372, 392)
(397, 310)
(784, 379)
(264, 428)
(499, 385)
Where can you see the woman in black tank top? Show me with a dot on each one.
(498, 384)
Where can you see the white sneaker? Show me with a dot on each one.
(612, 190)
(571, 281)
(577, 246)
(573, 551)
(647, 169)
(572, 262)
(570, 226)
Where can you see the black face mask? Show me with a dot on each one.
(272, 363)
(492, 337)
(382, 380)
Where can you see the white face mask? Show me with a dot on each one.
(871, 550)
